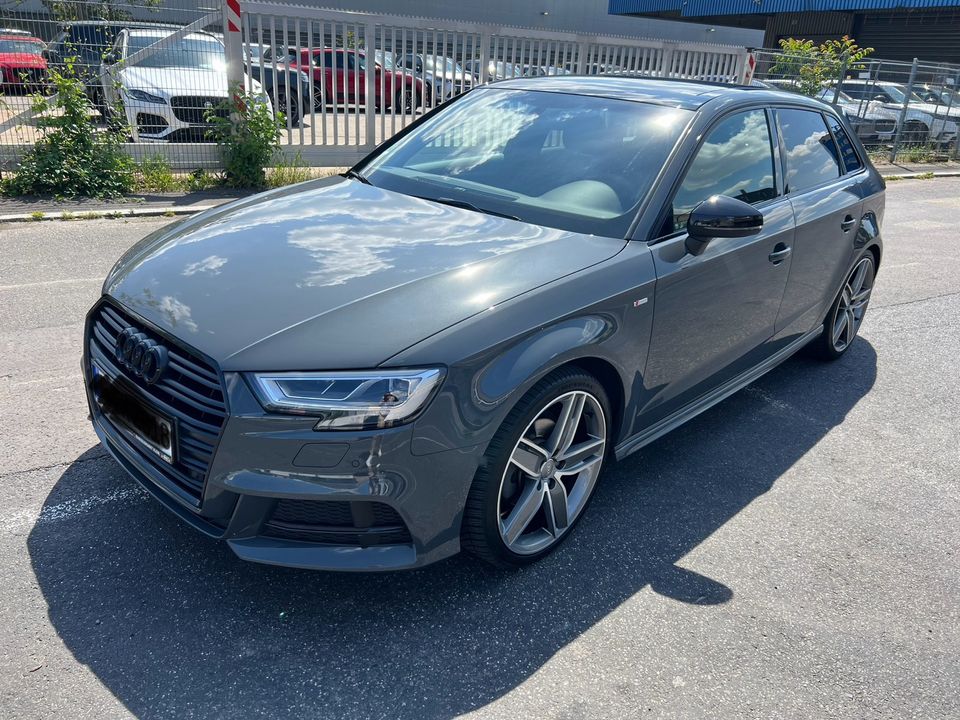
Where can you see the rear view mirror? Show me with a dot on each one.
(721, 217)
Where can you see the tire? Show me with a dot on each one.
(504, 522)
(915, 133)
(294, 117)
(847, 312)
(406, 101)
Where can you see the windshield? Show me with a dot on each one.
(192, 52)
(440, 65)
(899, 93)
(31, 47)
(566, 161)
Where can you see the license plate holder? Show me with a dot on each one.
(138, 422)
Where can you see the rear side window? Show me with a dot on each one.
(735, 160)
(847, 153)
(809, 152)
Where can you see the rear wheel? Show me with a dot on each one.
(407, 101)
(847, 312)
(540, 471)
(915, 133)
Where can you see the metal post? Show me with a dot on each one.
(953, 93)
(484, 56)
(903, 112)
(370, 76)
(843, 74)
(233, 43)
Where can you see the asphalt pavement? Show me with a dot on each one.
(791, 553)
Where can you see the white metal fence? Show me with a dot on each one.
(344, 81)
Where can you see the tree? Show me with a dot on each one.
(69, 10)
(813, 67)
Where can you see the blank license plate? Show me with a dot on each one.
(152, 430)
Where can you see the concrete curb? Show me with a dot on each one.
(110, 213)
(923, 175)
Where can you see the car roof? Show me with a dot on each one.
(18, 36)
(684, 94)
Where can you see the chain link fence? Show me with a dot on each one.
(903, 112)
(342, 81)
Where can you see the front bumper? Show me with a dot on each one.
(264, 465)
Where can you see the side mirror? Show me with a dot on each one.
(721, 217)
(880, 97)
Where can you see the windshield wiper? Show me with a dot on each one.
(467, 206)
(356, 176)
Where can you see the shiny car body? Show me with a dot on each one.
(165, 97)
(22, 65)
(359, 373)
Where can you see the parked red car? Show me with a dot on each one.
(22, 65)
(338, 77)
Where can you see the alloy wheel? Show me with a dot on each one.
(853, 304)
(551, 472)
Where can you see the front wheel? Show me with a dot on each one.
(539, 471)
(847, 312)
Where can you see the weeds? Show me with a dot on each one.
(248, 135)
(290, 172)
(37, 215)
(71, 157)
(154, 175)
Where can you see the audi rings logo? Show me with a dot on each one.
(140, 355)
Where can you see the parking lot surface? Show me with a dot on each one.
(791, 553)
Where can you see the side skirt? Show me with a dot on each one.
(705, 402)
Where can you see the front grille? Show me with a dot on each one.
(337, 522)
(193, 108)
(884, 126)
(189, 391)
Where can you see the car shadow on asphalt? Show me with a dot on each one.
(175, 626)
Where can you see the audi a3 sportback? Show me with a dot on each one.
(445, 346)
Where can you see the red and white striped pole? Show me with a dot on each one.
(233, 42)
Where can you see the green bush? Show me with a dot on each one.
(154, 175)
(248, 135)
(71, 157)
(200, 179)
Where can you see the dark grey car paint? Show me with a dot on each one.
(337, 274)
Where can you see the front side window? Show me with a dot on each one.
(810, 157)
(735, 160)
(566, 161)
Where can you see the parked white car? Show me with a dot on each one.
(166, 95)
(924, 121)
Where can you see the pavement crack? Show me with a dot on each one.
(918, 300)
(78, 461)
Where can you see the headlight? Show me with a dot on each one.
(144, 96)
(349, 400)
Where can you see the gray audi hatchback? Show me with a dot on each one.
(444, 347)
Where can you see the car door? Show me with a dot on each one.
(827, 204)
(714, 312)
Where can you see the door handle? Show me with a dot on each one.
(780, 253)
(848, 222)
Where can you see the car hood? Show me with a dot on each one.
(22, 60)
(335, 274)
(172, 81)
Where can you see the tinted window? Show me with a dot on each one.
(735, 160)
(565, 161)
(810, 156)
(848, 154)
